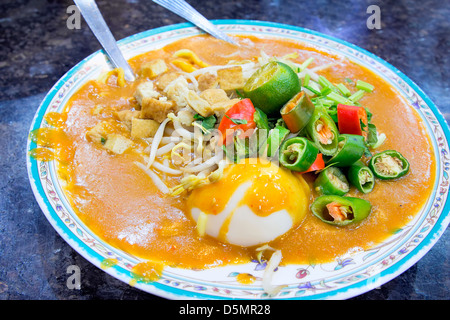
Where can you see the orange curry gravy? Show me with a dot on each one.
(119, 202)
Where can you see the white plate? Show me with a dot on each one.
(340, 279)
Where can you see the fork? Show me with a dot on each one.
(184, 10)
(97, 24)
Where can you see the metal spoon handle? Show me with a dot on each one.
(94, 19)
(184, 10)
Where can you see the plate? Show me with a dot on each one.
(341, 279)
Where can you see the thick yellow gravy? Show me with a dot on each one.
(119, 202)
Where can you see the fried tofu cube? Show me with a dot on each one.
(153, 68)
(145, 90)
(207, 81)
(97, 109)
(220, 108)
(163, 80)
(214, 95)
(125, 116)
(117, 143)
(156, 109)
(186, 116)
(200, 105)
(230, 78)
(97, 133)
(177, 91)
(143, 128)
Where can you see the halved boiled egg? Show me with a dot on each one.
(254, 202)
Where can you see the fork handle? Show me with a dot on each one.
(186, 11)
(97, 24)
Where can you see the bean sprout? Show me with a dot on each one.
(160, 167)
(156, 141)
(156, 180)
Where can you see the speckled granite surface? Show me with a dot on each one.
(36, 49)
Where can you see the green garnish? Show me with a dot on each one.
(237, 121)
(312, 90)
(343, 89)
(362, 85)
(348, 80)
(240, 95)
(324, 82)
(337, 98)
(306, 80)
(206, 123)
(306, 63)
(357, 95)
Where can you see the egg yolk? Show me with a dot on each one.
(257, 185)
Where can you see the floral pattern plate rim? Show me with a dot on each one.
(344, 278)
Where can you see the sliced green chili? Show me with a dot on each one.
(350, 149)
(331, 181)
(276, 137)
(297, 112)
(389, 164)
(323, 131)
(360, 176)
(298, 154)
(260, 119)
(340, 211)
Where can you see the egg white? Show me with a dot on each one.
(245, 228)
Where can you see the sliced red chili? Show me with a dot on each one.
(318, 164)
(238, 117)
(352, 120)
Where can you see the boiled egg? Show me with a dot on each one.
(254, 202)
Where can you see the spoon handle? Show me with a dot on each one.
(186, 11)
(94, 19)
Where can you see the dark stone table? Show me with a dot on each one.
(36, 49)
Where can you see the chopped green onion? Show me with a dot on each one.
(325, 91)
(343, 89)
(306, 79)
(357, 96)
(327, 102)
(312, 90)
(324, 82)
(362, 85)
(306, 63)
(338, 98)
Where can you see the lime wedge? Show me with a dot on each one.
(271, 86)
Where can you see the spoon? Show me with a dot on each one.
(184, 10)
(94, 19)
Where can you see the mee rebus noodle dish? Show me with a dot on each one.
(216, 155)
